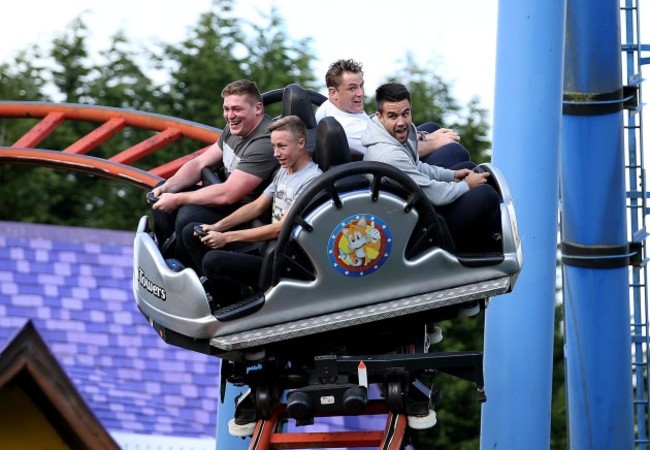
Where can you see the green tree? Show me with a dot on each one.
(459, 411)
(61, 197)
(201, 65)
(71, 70)
(116, 78)
(430, 93)
(270, 46)
(559, 418)
(23, 78)
(21, 188)
(473, 130)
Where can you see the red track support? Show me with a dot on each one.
(268, 434)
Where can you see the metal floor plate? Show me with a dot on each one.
(362, 315)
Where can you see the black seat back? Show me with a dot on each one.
(296, 102)
(332, 148)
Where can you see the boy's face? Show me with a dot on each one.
(286, 148)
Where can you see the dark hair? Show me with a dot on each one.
(243, 87)
(335, 72)
(391, 92)
(292, 124)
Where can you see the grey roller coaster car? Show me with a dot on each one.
(362, 249)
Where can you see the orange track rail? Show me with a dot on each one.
(111, 121)
(268, 437)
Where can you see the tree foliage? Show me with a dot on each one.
(182, 80)
(70, 75)
(459, 412)
(433, 102)
(199, 67)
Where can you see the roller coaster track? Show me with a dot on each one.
(110, 121)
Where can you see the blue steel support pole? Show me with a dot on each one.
(594, 240)
(519, 326)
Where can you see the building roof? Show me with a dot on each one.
(74, 284)
(39, 402)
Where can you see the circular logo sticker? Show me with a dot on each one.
(359, 245)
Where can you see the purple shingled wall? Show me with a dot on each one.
(75, 286)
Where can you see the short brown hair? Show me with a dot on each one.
(243, 87)
(292, 124)
(335, 72)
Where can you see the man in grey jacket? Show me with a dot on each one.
(462, 197)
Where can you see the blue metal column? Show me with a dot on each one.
(519, 326)
(594, 242)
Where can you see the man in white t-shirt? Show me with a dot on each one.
(345, 89)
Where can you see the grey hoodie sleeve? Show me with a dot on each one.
(435, 172)
(438, 192)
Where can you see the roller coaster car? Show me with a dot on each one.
(363, 266)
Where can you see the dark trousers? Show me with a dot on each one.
(226, 269)
(446, 156)
(166, 224)
(474, 220)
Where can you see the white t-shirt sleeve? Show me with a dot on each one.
(353, 124)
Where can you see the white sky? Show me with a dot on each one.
(459, 35)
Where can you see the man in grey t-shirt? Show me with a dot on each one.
(244, 148)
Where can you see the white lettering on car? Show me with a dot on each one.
(151, 286)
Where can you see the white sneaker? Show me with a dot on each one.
(244, 430)
(422, 422)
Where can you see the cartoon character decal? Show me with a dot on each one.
(359, 245)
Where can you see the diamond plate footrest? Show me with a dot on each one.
(361, 315)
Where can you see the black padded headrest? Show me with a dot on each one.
(296, 102)
(332, 148)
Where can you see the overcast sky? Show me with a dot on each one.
(458, 36)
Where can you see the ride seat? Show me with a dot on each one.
(297, 102)
(332, 147)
